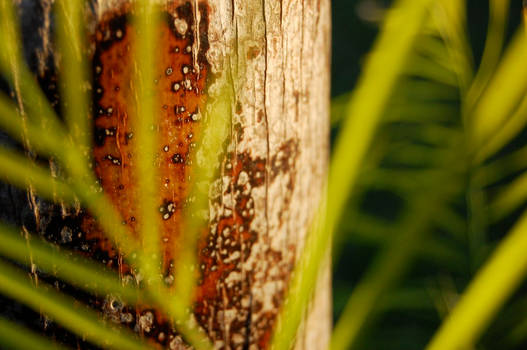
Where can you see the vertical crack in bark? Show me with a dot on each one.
(44, 53)
(266, 118)
(301, 59)
(281, 11)
(32, 200)
(196, 48)
(284, 57)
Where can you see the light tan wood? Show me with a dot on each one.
(279, 54)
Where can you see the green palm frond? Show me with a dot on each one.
(490, 106)
(76, 270)
(428, 173)
(65, 310)
(45, 134)
(422, 165)
(363, 114)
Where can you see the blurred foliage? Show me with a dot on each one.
(31, 120)
(447, 161)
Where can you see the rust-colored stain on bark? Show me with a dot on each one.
(224, 305)
(180, 82)
(247, 253)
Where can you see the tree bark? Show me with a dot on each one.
(279, 54)
(276, 55)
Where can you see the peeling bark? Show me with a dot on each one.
(276, 55)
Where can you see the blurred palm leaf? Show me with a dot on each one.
(427, 152)
(436, 174)
(34, 123)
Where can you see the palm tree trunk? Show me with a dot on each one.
(276, 55)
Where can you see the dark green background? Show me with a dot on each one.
(409, 327)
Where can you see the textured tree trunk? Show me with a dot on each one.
(276, 56)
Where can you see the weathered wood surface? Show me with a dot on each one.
(276, 54)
